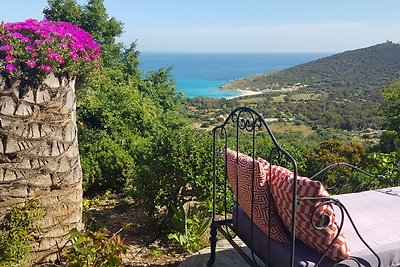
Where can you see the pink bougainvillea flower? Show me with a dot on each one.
(31, 63)
(60, 60)
(11, 67)
(29, 48)
(46, 67)
(56, 57)
(6, 47)
(74, 55)
(52, 55)
(48, 46)
(9, 58)
(15, 35)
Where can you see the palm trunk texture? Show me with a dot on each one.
(39, 157)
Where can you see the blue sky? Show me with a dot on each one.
(243, 25)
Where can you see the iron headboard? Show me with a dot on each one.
(246, 120)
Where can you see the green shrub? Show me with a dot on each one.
(189, 226)
(387, 165)
(17, 232)
(175, 169)
(94, 249)
(107, 165)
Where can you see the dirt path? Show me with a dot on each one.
(144, 248)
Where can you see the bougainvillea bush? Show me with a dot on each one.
(31, 49)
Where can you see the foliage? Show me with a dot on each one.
(333, 151)
(130, 63)
(391, 110)
(387, 165)
(175, 169)
(353, 114)
(392, 105)
(106, 164)
(88, 203)
(155, 87)
(116, 122)
(112, 122)
(29, 50)
(17, 231)
(389, 141)
(118, 108)
(339, 109)
(63, 10)
(94, 249)
(189, 226)
(92, 18)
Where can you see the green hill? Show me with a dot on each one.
(339, 91)
(364, 68)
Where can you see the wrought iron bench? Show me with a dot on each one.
(287, 220)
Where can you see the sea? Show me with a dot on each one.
(202, 74)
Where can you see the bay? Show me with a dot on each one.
(201, 74)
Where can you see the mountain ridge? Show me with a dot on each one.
(361, 68)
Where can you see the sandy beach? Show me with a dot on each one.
(244, 93)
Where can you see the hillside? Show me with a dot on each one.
(342, 91)
(356, 69)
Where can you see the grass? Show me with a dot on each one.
(261, 99)
(286, 127)
(279, 98)
(253, 100)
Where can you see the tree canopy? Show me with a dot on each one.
(131, 137)
(391, 111)
(94, 19)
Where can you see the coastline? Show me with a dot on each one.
(243, 93)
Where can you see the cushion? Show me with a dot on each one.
(324, 217)
(265, 214)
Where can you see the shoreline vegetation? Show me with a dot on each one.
(242, 91)
(241, 85)
(256, 91)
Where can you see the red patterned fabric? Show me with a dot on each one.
(319, 239)
(264, 209)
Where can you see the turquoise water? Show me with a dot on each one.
(201, 87)
(201, 74)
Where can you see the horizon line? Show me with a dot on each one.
(241, 52)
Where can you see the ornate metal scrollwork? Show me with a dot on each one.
(246, 119)
(346, 184)
(343, 212)
(323, 219)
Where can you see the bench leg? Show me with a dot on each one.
(213, 240)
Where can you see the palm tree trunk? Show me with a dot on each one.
(39, 156)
